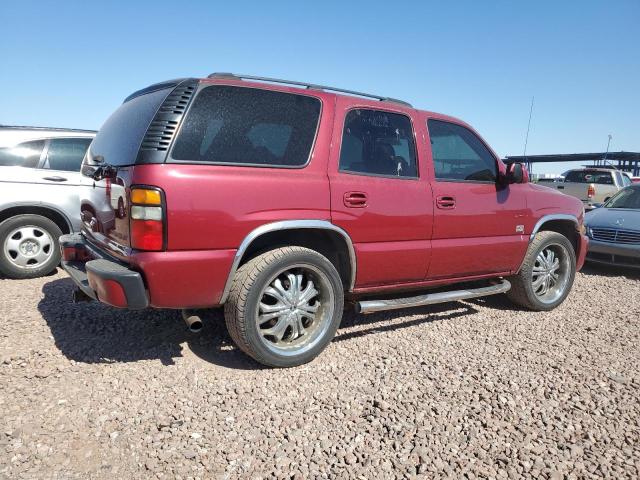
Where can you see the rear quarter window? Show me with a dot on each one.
(248, 126)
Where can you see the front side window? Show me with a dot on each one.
(459, 155)
(66, 153)
(626, 181)
(26, 154)
(375, 142)
(248, 126)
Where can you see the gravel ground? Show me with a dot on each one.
(462, 390)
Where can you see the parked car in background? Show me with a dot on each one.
(277, 201)
(614, 229)
(593, 186)
(39, 179)
(548, 180)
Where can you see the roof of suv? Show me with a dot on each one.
(12, 135)
(308, 86)
(293, 87)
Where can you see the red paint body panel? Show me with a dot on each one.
(188, 279)
(380, 262)
(582, 252)
(402, 239)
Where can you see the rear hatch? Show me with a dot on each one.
(138, 132)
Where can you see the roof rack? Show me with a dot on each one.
(308, 86)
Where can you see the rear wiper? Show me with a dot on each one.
(105, 170)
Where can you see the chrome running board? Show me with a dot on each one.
(370, 306)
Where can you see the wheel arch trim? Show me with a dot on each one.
(551, 218)
(42, 206)
(288, 225)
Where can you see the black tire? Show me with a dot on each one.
(241, 307)
(522, 290)
(8, 266)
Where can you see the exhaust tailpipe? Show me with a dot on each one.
(193, 321)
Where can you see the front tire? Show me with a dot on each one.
(285, 306)
(28, 246)
(547, 273)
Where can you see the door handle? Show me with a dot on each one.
(560, 187)
(355, 199)
(445, 202)
(55, 178)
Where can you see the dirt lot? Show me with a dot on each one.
(472, 389)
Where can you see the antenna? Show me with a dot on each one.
(526, 139)
(604, 159)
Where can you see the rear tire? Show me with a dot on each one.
(547, 273)
(285, 306)
(28, 246)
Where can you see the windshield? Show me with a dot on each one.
(627, 198)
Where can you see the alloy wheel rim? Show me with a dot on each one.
(294, 310)
(550, 274)
(28, 247)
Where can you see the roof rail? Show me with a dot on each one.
(308, 86)
(55, 129)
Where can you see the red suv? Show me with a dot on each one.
(279, 200)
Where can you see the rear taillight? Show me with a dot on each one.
(591, 191)
(147, 224)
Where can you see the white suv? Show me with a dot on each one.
(39, 179)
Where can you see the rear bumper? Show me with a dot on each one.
(102, 278)
(174, 279)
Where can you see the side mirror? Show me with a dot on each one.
(517, 173)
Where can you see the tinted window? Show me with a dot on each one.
(66, 153)
(119, 138)
(236, 125)
(589, 176)
(26, 154)
(378, 143)
(458, 154)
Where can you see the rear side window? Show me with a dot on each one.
(375, 142)
(26, 154)
(459, 155)
(589, 176)
(66, 153)
(248, 126)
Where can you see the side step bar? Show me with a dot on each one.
(370, 306)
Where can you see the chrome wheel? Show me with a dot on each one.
(28, 247)
(551, 272)
(295, 310)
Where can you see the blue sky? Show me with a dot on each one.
(70, 63)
